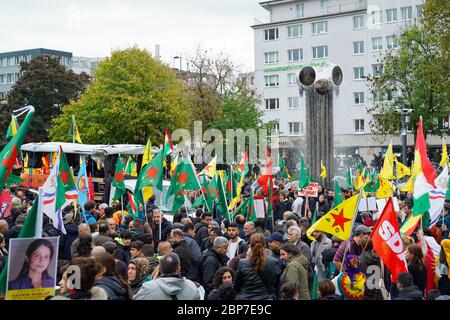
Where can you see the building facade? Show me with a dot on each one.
(349, 33)
(10, 65)
(85, 64)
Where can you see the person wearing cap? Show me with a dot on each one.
(354, 245)
(320, 243)
(275, 241)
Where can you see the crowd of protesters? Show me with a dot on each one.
(199, 255)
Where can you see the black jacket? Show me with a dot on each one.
(114, 289)
(410, 293)
(211, 262)
(166, 227)
(419, 275)
(201, 232)
(281, 208)
(146, 238)
(12, 233)
(123, 253)
(187, 263)
(252, 285)
(66, 240)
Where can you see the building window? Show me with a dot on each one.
(272, 104)
(376, 69)
(391, 15)
(358, 22)
(271, 34)
(271, 57)
(295, 31)
(292, 80)
(320, 27)
(419, 11)
(295, 128)
(300, 10)
(293, 102)
(377, 43)
(2, 78)
(320, 52)
(276, 127)
(10, 61)
(17, 76)
(295, 55)
(358, 47)
(325, 4)
(359, 125)
(358, 73)
(10, 77)
(376, 17)
(406, 13)
(390, 42)
(376, 96)
(271, 81)
(358, 97)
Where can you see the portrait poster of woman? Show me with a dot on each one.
(32, 268)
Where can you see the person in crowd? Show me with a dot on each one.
(201, 228)
(34, 272)
(90, 212)
(290, 291)
(123, 246)
(159, 222)
(354, 244)
(321, 242)
(296, 269)
(260, 227)
(138, 232)
(3, 226)
(249, 230)
(284, 204)
(223, 276)
(257, 276)
(121, 267)
(406, 288)
(297, 205)
(189, 267)
(213, 233)
(112, 228)
(327, 290)
(170, 285)
(102, 236)
(136, 249)
(294, 235)
(82, 246)
(433, 294)
(108, 279)
(138, 274)
(66, 240)
(352, 281)
(442, 268)
(236, 245)
(13, 232)
(212, 260)
(86, 291)
(164, 247)
(416, 266)
(323, 206)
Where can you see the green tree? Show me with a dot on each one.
(134, 96)
(47, 85)
(413, 77)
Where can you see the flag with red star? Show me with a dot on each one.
(251, 209)
(212, 193)
(184, 178)
(153, 173)
(221, 201)
(339, 220)
(118, 180)
(8, 156)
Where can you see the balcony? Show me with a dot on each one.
(331, 9)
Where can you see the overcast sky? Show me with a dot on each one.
(93, 28)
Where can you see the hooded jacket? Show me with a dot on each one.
(297, 271)
(66, 240)
(114, 289)
(168, 287)
(410, 293)
(211, 262)
(166, 227)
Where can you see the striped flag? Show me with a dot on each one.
(437, 196)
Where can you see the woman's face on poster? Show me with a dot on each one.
(39, 259)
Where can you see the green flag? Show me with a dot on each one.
(349, 178)
(12, 129)
(374, 183)
(28, 231)
(66, 191)
(212, 193)
(304, 179)
(251, 209)
(153, 173)
(9, 153)
(222, 205)
(199, 202)
(315, 287)
(118, 180)
(337, 194)
(178, 201)
(241, 209)
(447, 195)
(283, 169)
(184, 178)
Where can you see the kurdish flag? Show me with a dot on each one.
(210, 169)
(184, 178)
(73, 131)
(424, 181)
(13, 127)
(339, 220)
(387, 172)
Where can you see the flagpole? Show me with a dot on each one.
(39, 216)
(396, 179)
(347, 247)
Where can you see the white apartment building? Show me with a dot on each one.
(349, 33)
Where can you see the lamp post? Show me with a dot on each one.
(178, 57)
(405, 120)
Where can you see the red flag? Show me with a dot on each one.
(91, 192)
(5, 202)
(131, 202)
(427, 168)
(388, 243)
(263, 180)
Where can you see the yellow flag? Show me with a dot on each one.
(402, 170)
(385, 190)
(444, 158)
(147, 157)
(408, 186)
(210, 169)
(25, 161)
(387, 172)
(339, 220)
(323, 174)
(173, 165)
(236, 199)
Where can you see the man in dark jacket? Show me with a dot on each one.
(166, 227)
(201, 228)
(123, 247)
(66, 240)
(181, 248)
(212, 260)
(138, 232)
(284, 204)
(407, 291)
(13, 233)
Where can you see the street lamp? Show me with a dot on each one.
(178, 57)
(405, 120)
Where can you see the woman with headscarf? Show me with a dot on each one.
(138, 274)
(442, 268)
(351, 282)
